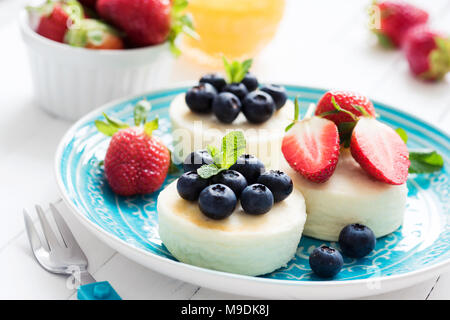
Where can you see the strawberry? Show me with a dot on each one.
(350, 101)
(136, 162)
(428, 53)
(145, 22)
(380, 151)
(54, 24)
(93, 34)
(393, 19)
(311, 147)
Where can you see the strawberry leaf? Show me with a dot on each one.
(402, 133)
(296, 114)
(106, 128)
(180, 23)
(236, 71)
(338, 108)
(150, 126)
(425, 161)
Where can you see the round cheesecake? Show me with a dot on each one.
(194, 131)
(242, 243)
(349, 196)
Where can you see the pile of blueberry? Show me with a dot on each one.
(355, 240)
(246, 180)
(227, 100)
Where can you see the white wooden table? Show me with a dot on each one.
(319, 43)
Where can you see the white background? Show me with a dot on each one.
(319, 43)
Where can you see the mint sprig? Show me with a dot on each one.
(235, 71)
(422, 160)
(233, 146)
(180, 23)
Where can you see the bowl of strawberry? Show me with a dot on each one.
(85, 53)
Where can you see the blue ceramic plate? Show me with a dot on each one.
(420, 248)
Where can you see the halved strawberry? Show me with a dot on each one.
(380, 151)
(311, 147)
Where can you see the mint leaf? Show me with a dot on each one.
(208, 170)
(402, 133)
(150, 126)
(425, 161)
(236, 71)
(140, 112)
(233, 145)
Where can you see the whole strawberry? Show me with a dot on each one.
(145, 22)
(392, 19)
(428, 53)
(136, 162)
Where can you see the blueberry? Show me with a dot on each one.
(357, 240)
(196, 159)
(199, 98)
(214, 79)
(250, 82)
(256, 199)
(226, 106)
(278, 182)
(250, 167)
(258, 106)
(217, 201)
(190, 184)
(278, 94)
(238, 89)
(233, 179)
(326, 262)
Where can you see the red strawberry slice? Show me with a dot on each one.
(54, 25)
(311, 147)
(380, 151)
(346, 100)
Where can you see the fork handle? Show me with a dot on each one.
(97, 291)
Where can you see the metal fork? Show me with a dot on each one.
(64, 257)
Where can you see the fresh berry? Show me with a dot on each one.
(326, 262)
(145, 22)
(226, 107)
(250, 81)
(93, 34)
(135, 162)
(214, 79)
(217, 201)
(278, 182)
(357, 240)
(233, 179)
(278, 94)
(258, 106)
(256, 199)
(238, 89)
(250, 167)
(54, 25)
(394, 21)
(196, 159)
(346, 100)
(380, 151)
(190, 184)
(311, 147)
(428, 53)
(200, 97)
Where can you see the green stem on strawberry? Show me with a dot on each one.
(181, 23)
(296, 114)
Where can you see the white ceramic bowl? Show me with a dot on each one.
(70, 81)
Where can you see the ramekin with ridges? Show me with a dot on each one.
(70, 81)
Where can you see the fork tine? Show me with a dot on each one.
(64, 230)
(33, 237)
(50, 236)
